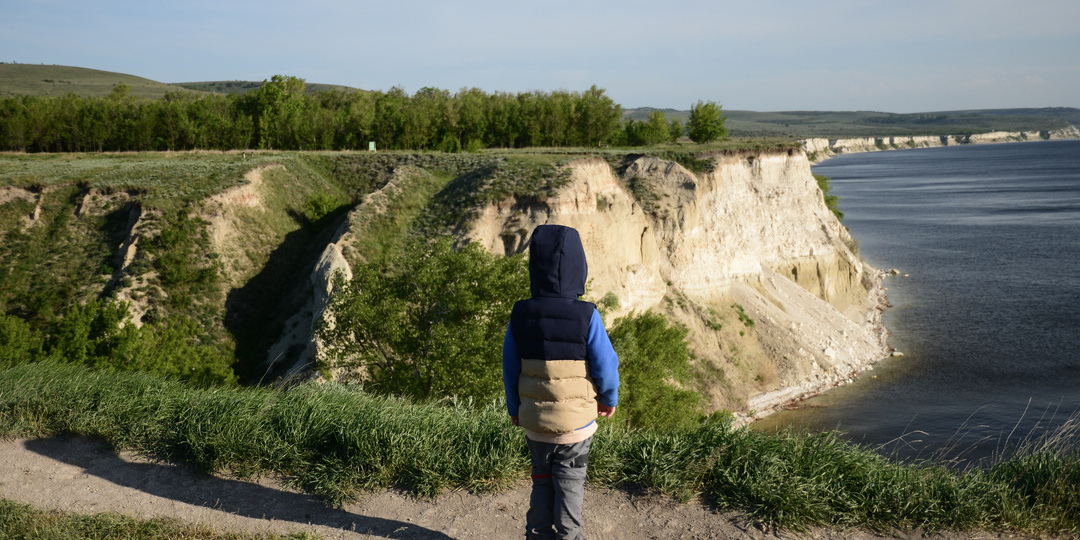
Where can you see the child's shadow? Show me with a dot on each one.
(241, 498)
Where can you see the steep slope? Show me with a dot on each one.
(745, 254)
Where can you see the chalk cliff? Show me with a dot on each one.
(745, 254)
(820, 149)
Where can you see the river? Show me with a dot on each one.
(986, 309)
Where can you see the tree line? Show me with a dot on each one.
(281, 115)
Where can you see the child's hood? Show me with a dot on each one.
(557, 266)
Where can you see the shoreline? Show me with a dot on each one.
(768, 403)
(819, 149)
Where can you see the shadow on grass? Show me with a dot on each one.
(230, 496)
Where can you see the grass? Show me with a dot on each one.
(22, 521)
(165, 180)
(337, 441)
(52, 80)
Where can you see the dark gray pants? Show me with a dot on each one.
(558, 475)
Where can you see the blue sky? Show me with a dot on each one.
(911, 56)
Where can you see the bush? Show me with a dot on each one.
(429, 322)
(653, 358)
(832, 202)
(319, 205)
(98, 334)
(181, 260)
(17, 344)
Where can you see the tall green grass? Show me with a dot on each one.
(338, 441)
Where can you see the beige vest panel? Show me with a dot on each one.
(557, 396)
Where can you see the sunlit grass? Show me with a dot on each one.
(337, 441)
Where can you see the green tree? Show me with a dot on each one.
(119, 92)
(428, 323)
(598, 117)
(472, 117)
(706, 122)
(656, 128)
(277, 104)
(676, 129)
(653, 358)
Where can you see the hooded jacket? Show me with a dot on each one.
(557, 358)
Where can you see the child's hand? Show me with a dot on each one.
(514, 420)
(604, 410)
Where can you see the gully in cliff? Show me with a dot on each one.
(560, 373)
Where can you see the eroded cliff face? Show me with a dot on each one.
(744, 254)
(752, 234)
(823, 148)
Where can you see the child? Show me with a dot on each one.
(560, 373)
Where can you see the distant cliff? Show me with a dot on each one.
(819, 149)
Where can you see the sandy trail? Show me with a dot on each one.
(83, 475)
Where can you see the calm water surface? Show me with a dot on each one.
(989, 317)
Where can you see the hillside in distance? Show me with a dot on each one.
(55, 81)
(843, 124)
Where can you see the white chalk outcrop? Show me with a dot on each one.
(752, 233)
(819, 148)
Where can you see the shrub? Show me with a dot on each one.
(97, 334)
(319, 205)
(743, 317)
(429, 322)
(17, 344)
(832, 202)
(181, 250)
(653, 358)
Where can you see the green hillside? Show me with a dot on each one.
(50, 80)
(837, 124)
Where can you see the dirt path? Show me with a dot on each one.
(83, 475)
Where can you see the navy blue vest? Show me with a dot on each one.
(548, 328)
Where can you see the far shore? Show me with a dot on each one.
(820, 149)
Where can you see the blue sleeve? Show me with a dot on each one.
(603, 362)
(511, 372)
